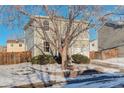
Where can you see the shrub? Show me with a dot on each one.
(80, 59)
(43, 59)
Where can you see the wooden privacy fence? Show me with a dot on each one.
(110, 53)
(14, 57)
(104, 54)
(95, 55)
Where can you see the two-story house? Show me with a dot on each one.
(35, 43)
(111, 36)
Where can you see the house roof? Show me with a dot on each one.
(47, 17)
(14, 41)
(115, 25)
(93, 40)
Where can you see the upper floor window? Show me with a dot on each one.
(20, 45)
(93, 44)
(46, 25)
(11, 45)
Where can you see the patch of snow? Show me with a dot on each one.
(114, 61)
(104, 69)
(26, 73)
(21, 74)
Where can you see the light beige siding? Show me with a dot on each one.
(81, 46)
(14, 47)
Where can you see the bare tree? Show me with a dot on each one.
(78, 19)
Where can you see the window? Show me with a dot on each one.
(12, 45)
(46, 47)
(20, 45)
(46, 25)
(93, 44)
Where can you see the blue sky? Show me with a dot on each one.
(7, 33)
(3, 35)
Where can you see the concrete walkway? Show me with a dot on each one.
(115, 64)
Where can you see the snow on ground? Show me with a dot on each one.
(103, 69)
(94, 81)
(21, 74)
(111, 78)
(114, 61)
(26, 73)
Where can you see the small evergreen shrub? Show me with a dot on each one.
(43, 60)
(80, 59)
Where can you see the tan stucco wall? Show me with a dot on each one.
(15, 47)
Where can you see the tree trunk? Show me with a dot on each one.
(64, 56)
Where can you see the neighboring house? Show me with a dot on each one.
(94, 45)
(15, 46)
(111, 36)
(3, 49)
(37, 44)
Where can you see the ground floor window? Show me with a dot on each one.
(46, 47)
